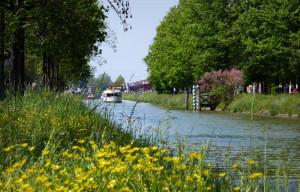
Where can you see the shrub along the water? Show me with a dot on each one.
(53, 142)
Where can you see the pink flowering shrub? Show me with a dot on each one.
(223, 84)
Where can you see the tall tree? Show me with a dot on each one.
(2, 29)
(190, 41)
(19, 48)
(265, 33)
(198, 36)
(101, 82)
(63, 34)
(120, 81)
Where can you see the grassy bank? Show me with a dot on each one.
(165, 100)
(53, 142)
(53, 121)
(281, 105)
(269, 105)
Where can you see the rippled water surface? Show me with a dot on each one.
(273, 141)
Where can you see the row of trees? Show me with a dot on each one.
(51, 41)
(103, 81)
(261, 37)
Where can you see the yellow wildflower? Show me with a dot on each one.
(205, 172)
(42, 178)
(8, 149)
(221, 174)
(255, 175)
(146, 150)
(112, 183)
(154, 148)
(19, 164)
(195, 156)
(237, 189)
(251, 162)
(24, 145)
(31, 148)
(55, 167)
(235, 166)
(125, 189)
(82, 149)
(45, 152)
(9, 170)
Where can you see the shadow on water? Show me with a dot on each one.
(273, 142)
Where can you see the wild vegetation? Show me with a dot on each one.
(175, 101)
(53, 142)
(267, 104)
(56, 120)
(259, 37)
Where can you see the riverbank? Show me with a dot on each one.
(265, 105)
(46, 118)
(168, 101)
(54, 142)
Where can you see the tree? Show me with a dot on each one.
(189, 42)
(265, 29)
(2, 29)
(101, 82)
(198, 36)
(62, 34)
(120, 81)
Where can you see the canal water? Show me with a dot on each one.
(274, 142)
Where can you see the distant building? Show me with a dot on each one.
(139, 86)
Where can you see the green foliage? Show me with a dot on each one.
(198, 36)
(120, 81)
(69, 32)
(189, 42)
(101, 82)
(224, 93)
(264, 29)
(60, 37)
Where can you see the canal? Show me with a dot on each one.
(274, 142)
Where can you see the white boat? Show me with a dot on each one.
(112, 95)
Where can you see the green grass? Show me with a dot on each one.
(260, 104)
(266, 104)
(168, 101)
(56, 120)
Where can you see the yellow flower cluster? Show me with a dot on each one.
(87, 167)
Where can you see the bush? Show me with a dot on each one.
(223, 84)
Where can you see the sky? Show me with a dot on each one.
(132, 46)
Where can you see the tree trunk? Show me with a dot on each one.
(52, 69)
(2, 29)
(186, 98)
(45, 70)
(18, 54)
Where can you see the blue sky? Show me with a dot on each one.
(132, 46)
